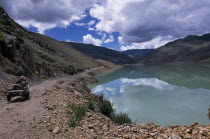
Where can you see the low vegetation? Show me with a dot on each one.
(106, 108)
(79, 112)
(91, 106)
(121, 118)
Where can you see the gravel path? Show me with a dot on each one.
(17, 118)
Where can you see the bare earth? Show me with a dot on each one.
(17, 118)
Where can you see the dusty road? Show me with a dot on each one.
(17, 118)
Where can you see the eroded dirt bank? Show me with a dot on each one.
(48, 114)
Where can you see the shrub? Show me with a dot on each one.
(79, 112)
(105, 108)
(121, 118)
(91, 106)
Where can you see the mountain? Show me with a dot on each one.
(137, 53)
(33, 54)
(192, 49)
(97, 52)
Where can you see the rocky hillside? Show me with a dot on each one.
(137, 53)
(103, 53)
(31, 54)
(192, 49)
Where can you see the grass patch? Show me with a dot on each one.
(121, 118)
(79, 112)
(91, 106)
(105, 108)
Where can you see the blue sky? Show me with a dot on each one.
(75, 33)
(119, 25)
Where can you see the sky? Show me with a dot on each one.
(115, 24)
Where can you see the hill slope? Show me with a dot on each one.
(192, 49)
(137, 53)
(23, 52)
(103, 53)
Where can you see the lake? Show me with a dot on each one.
(165, 95)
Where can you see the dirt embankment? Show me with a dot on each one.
(48, 115)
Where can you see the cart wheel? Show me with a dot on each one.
(27, 96)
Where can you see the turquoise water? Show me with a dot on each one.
(165, 95)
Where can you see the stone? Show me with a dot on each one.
(189, 131)
(89, 115)
(194, 124)
(175, 136)
(50, 129)
(91, 126)
(56, 130)
(164, 136)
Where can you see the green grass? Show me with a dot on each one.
(79, 112)
(91, 105)
(105, 108)
(121, 118)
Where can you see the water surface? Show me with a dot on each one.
(165, 95)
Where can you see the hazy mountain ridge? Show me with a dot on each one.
(192, 49)
(103, 53)
(137, 53)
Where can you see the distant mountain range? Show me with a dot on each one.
(98, 52)
(192, 49)
(137, 53)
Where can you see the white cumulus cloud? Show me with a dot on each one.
(89, 39)
(143, 20)
(153, 44)
(92, 29)
(110, 39)
(92, 22)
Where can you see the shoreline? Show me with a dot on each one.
(48, 113)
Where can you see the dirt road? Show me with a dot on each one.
(17, 118)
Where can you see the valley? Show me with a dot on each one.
(87, 91)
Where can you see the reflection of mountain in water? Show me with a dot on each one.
(155, 93)
(191, 76)
(131, 72)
